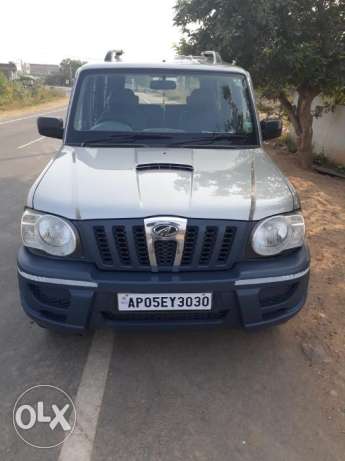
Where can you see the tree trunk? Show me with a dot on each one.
(291, 112)
(301, 118)
(305, 116)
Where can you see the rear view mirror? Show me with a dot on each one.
(271, 128)
(50, 127)
(163, 85)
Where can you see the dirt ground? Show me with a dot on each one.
(320, 327)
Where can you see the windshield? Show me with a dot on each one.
(156, 107)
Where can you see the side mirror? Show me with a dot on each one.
(50, 127)
(271, 128)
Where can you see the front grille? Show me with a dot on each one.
(121, 242)
(140, 245)
(189, 245)
(210, 237)
(121, 245)
(102, 245)
(225, 249)
(165, 251)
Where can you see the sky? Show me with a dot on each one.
(43, 31)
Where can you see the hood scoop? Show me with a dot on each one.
(164, 166)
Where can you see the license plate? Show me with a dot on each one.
(164, 302)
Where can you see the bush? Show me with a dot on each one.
(288, 140)
(291, 144)
(16, 94)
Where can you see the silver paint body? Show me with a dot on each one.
(103, 183)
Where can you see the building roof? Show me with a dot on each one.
(43, 69)
(8, 66)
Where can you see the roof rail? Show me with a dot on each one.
(113, 56)
(206, 57)
(213, 56)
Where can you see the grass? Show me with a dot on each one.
(15, 95)
(322, 160)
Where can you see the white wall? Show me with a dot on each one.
(329, 133)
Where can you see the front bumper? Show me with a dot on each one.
(76, 296)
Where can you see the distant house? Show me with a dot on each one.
(22, 67)
(9, 69)
(43, 70)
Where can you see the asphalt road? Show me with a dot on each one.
(185, 395)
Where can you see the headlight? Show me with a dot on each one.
(49, 233)
(279, 233)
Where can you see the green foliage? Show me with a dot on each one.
(287, 45)
(3, 83)
(320, 159)
(17, 94)
(288, 141)
(283, 43)
(69, 67)
(291, 144)
(323, 160)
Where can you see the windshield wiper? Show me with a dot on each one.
(125, 139)
(232, 138)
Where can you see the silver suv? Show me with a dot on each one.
(161, 207)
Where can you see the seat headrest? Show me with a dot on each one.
(201, 97)
(123, 96)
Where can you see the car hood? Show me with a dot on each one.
(110, 183)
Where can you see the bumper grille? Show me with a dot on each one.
(52, 296)
(121, 245)
(165, 317)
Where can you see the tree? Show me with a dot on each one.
(3, 83)
(289, 46)
(68, 68)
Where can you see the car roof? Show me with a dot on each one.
(178, 65)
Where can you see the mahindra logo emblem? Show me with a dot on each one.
(165, 230)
